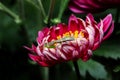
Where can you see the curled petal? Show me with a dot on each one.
(110, 31)
(106, 22)
(33, 49)
(92, 6)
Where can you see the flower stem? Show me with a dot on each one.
(52, 73)
(21, 10)
(52, 70)
(47, 21)
(41, 8)
(63, 5)
(62, 8)
(10, 13)
(32, 3)
(76, 69)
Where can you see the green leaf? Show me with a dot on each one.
(94, 68)
(117, 69)
(109, 49)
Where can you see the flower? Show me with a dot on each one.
(93, 6)
(76, 40)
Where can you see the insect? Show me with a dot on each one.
(51, 44)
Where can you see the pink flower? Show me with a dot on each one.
(86, 6)
(76, 40)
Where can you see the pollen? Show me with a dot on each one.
(81, 33)
(59, 37)
(67, 34)
(76, 34)
(71, 33)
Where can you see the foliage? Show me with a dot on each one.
(20, 21)
(109, 49)
(94, 68)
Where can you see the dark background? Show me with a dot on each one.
(15, 63)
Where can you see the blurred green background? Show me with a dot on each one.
(20, 21)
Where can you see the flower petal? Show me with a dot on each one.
(73, 23)
(109, 32)
(106, 22)
(40, 36)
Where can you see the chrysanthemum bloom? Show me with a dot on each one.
(86, 6)
(76, 40)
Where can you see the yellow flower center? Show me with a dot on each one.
(74, 34)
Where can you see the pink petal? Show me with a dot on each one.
(90, 19)
(38, 60)
(82, 6)
(34, 57)
(44, 64)
(40, 36)
(61, 29)
(106, 22)
(33, 49)
(73, 23)
(87, 55)
(91, 33)
(52, 33)
(49, 55)
(45, 31)
(96, 45)
(81, 23)
(75, 8)
(110, 31)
